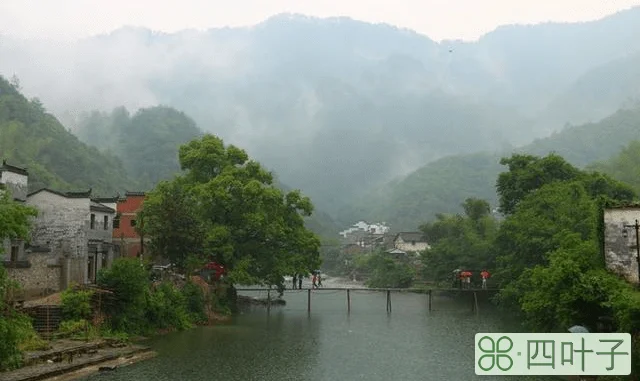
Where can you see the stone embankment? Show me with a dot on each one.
(69, 359)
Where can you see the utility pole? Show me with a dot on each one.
(636, 226)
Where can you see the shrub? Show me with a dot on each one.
(76, 304)
(167, 307)
(195, 302)
(128, 279)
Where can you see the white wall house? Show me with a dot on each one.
(620, 245)
(77, 230)
(410, 242)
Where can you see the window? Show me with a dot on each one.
(14, 253)
(133, 222)
(106, 222)
(93, 221)
(116, 222)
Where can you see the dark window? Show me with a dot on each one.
(93, 221)
(14, 253)
(116, 222)
(133, 222)
(106, 222)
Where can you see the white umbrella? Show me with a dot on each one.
(578, 329)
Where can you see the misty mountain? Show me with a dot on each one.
(336, 106)
(30, 137)
(441, 186)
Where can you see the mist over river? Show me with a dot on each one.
(288, 343)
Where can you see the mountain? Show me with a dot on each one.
(336, 106)
(146, 142)
(441, 186)
(592, 96)
(31, 137)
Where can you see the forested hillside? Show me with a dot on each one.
(146, 142)
(441, 186)
(33, 138)
(625, 166)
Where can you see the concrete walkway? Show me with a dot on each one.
(71, 359)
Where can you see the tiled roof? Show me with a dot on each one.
(412, 236)
(101, 200)
(84, 194)
(134, 194)
(13, 168)
(101, 208)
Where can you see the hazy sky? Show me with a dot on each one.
(438, 19)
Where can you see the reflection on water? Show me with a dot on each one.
(409, 344)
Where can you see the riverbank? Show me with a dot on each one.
(70, 359)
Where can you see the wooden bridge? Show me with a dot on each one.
(472, 292)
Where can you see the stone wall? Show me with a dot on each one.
(43, 274)
(60, 225)
(16, 184)
(620, 253)
(408, 246)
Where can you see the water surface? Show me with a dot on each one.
(288, 343)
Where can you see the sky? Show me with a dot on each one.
(438, 19)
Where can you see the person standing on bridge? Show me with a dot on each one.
(319, 279)
(295, 280)
(300, 276)
(485, 275)
(314, 279)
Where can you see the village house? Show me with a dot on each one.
(409, 242)
(125, 234)
(620, 241)
(74, 232)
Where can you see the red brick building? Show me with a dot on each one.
(125, 234)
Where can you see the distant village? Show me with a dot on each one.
(73, 237)
(363, 237)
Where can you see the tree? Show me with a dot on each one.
(172, 219)
(527, 173)
(460, 241)
(475, 208)
(14, 218)
(239, 218)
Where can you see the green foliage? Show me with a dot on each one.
(31, 137)
(382, 270)
(625, 166)
(147, 142)
(14, 218)
(137, 308)
(460, 242)
(15, 328)
(173, 222)
(166, 307)
(236, 216)
(195, 302)
(128, 279)
(76, 304)
(527, 173)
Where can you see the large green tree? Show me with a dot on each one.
(238, 217)
(459, 241)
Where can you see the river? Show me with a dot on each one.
(288, 343)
